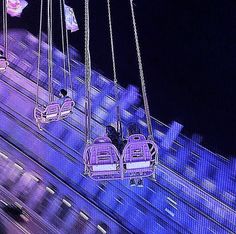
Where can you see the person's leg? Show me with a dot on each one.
(132, 182)
(86, 171)
(140, 182)
(153, 176)
(39, 126)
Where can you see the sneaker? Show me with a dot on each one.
(140, 183)
(132, 182)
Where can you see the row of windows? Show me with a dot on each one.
(212, 204)
(46, 195)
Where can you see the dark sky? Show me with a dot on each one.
(189, 58)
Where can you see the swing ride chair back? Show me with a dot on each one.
(102, 160)
(48, 114)
(66, 108)
(139, 157)
(3, 64)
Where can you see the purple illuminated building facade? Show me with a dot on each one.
(195, 191)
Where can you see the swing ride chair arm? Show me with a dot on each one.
(3, 64)
(102, 160)
(139, 157)
(38, 113)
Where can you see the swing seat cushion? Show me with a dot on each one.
(105, 167)
(136, 165)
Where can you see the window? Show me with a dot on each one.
(64, 134)
(24, 65)
(127, 114)
(212, 172)
(144, 124)
(94, 92)
(101, 113)
(193, 159)
(47, 198)
(108, 103)
(64, 208)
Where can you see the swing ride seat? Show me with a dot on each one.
(139, 157)
(47, 114)
(102, 160)
(66, 108)
(3, 64)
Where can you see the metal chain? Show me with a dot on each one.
(87, 77)
(51, 60)
(145, 99)
(39, 51)
(50, 63)
(49, 70)
(118, 116)
(5, 31)
(68, 58)
(3, 24)
(63, 46)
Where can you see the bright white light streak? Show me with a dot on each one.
(18, 166)
(66, 202)
(3, 155)
(50, 190)
(101, 229)
(83, 215)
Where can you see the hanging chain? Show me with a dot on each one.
(39, 51)
(145, 99)
(118, 116)
(3, 25)
(50, 62)
(68, 57)
(87, 77)
(63, 46)
(5, 31)
(49, 69)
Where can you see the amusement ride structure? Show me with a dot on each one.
(64, 160)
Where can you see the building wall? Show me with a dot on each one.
(195, 190)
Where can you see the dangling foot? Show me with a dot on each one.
(132, 182)
(85, 171)
(140, 183)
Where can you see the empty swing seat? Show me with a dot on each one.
(48, 114)
(102, 160)
(3, 64)
(66, 108)
(139, 157)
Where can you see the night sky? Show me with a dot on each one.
(189, 57)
